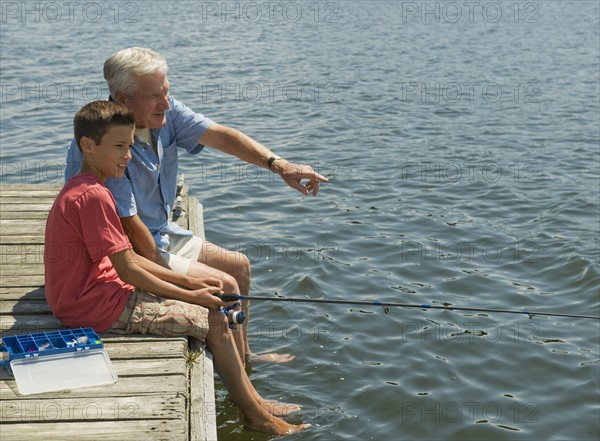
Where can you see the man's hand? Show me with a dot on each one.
(293, 174)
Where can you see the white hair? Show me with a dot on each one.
(133, 61)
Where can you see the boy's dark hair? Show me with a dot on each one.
(94, 119)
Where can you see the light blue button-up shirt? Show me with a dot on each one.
(149, 186)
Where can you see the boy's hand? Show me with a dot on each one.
(207, 297)
(195, 283)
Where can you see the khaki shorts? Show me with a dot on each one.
(146, 313)
(182, 251)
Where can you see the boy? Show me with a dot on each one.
(93, 277)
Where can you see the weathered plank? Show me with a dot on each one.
(25, 196)
(34, 410)
(21, 254)
(21, 280)
(125, 386)
(202, 392)
(38, 206)
(24, 248)
(169, 348)
(19, 257)
(16, 226)
(23, 239)
(8, 307)
(15, 214)
(19, 270)
(122, 430)
(10, 324)
(27, 188)
(150, 366)
(136, 367)
(18, 292)
(19, 193)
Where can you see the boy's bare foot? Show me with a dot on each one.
(270, 358)
(276, 426)
(258, 419)
(280, 409)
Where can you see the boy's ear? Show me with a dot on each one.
(86, 144)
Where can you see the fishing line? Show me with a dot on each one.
(386, 305)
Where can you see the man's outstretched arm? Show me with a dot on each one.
(236, 143)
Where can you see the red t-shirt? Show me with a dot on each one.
(82, 230)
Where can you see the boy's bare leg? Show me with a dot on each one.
(235, 264)
(238, 265)
(230, 285)
(229, 367)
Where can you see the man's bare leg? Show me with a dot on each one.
(238, 265)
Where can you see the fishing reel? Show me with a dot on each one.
(234, 315)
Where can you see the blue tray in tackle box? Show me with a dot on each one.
(57, 360)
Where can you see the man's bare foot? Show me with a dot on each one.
(270, 358)
(280, 409)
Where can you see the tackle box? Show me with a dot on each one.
(57, 360)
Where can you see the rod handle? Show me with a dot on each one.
(229, 297)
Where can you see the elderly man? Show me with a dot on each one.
(137, 79)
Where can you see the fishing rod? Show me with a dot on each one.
(386, 305)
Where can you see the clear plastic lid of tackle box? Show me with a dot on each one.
(58, 360)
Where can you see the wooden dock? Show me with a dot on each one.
(164, 390)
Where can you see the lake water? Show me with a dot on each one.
(462, 144)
